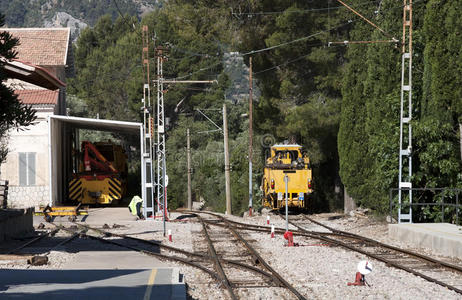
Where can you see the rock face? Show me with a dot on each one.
(62, 19)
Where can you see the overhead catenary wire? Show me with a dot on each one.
(298, 11)
(132, 26)
(192, 53)
(296, 40)
(192, 73)
(364, 18)
(311, 36)
(288, 62)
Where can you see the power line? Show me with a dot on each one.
(364, 18)
(298, 11)
(200, 70)
(312, 35)
(288, 62)
(297, 40)
(192, 53)
(125, 19)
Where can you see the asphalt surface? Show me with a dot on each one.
(97, 271)
(85, 284)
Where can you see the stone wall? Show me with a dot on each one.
(28, 196)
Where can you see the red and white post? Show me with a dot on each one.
(170, 235)
(267, 220)
(272, 231)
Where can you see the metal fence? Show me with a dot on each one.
(429, 204)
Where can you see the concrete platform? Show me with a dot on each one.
(442, 238)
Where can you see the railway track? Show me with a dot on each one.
(44, 243)
(241, 266)
(428, 268)
(246, 268)
(228, 235)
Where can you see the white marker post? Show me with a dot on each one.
(286, 180)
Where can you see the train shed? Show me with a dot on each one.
(64, 138)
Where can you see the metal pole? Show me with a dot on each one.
(457, 208)
(286, 180)
(391, 205)
(460, 140)
(250, 137)
(188, 145)
(227, 175)
(164, 204)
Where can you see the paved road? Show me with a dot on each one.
(86, 284)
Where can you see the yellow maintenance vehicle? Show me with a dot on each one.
(102, 174)
(291, 161)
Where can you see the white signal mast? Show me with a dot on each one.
(404, 181)
(161, 54)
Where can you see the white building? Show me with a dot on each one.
(41, 68)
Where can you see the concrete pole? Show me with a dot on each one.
(286, 180)
(250, 137)
(227, 175)
(460, 131)
(188, 145)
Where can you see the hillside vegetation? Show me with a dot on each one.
(341, 102)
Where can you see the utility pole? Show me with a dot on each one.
(188, 146)
(286, 181)
(460, 141)
(227, 175)
(250, 137)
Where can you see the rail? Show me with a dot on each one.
(367, 242)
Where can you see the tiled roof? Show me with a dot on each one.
(42, 46)
(37, 96)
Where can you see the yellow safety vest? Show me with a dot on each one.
(133, 203)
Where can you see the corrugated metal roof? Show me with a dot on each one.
(99, 124)
(42, 46)
(31, 97)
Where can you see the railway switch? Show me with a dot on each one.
(289, 236)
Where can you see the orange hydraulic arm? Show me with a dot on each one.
(98, 162)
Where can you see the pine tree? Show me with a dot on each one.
(13, 114)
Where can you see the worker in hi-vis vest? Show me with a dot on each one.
(135, 207)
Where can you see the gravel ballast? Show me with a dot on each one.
(316, 270)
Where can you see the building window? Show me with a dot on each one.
(27, 168)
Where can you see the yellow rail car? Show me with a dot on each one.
(102, 174)
(287, 160)
(96, 189)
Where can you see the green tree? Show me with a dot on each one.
(300, 81)
(441, 109)
(14, 114)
